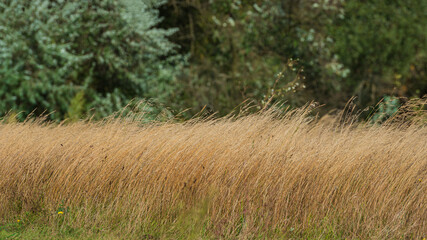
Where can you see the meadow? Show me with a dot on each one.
(254, 176)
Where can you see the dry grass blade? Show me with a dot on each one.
(256, 173)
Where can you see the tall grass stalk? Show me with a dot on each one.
(253, 176)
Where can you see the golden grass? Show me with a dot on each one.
(249, 175)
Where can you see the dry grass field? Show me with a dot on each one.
(263, 175)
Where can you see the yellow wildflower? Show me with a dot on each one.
(18, 220)
(60, 212)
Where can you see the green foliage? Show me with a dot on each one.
(75, 58)
(239, 47)
(230, 59)
(383, 44)
(76, 108)
(85, 54)
(386, 109)
(346, 48)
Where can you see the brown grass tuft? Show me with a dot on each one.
(255, 174)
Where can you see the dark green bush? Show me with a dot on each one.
(367, 49)
(383, 44)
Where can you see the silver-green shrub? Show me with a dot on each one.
(100, 53)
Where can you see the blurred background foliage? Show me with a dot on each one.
(79, 58)
(76, 57)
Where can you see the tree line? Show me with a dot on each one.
(77, 58)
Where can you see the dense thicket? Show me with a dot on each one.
(73, 56)
(78, 57)
(368, 49)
